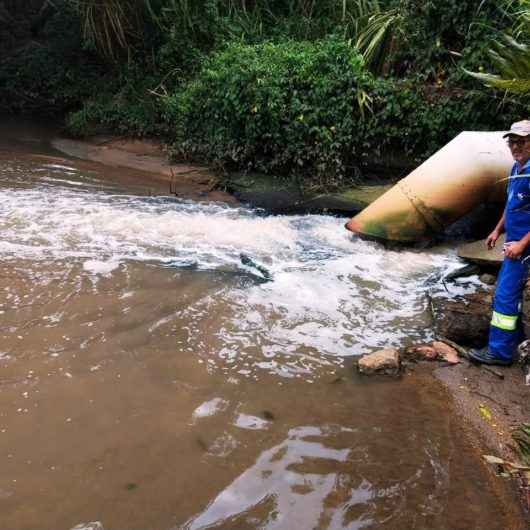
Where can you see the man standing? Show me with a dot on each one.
(505, 330)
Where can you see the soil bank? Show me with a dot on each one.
(466, 386)
(487, 404)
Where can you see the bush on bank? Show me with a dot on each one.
(412, 120)
(53, 74)
(44, 81)
(129, 109)
(292, 108)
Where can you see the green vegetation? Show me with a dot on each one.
(312, 91)
(292, 108)
(510, 52)
(50, 75)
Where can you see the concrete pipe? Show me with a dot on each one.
(471, 169)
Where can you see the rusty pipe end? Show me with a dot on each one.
(353, 226)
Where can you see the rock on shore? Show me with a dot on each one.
(385, 362)
(466, 319)
(389, 361)
(435, 351)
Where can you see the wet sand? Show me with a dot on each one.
(507, 400)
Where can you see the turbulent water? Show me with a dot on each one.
(309, 293)
(169, 364)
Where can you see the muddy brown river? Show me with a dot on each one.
(166, 364)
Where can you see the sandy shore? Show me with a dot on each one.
(149, 158)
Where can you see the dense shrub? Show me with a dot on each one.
(129, 109)
(43, 80)
(196, 27)
(53, 75)
(413, 120)
(289, 108)
(440, 36)
(113, 115)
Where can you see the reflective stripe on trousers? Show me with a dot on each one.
(506, 322)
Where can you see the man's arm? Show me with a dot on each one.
(497, 231)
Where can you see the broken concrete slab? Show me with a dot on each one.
(477, 252)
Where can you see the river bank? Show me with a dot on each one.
(146, 160)
(187, 180)
(471, 389)
(491, 404)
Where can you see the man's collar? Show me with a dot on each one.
(525, 168)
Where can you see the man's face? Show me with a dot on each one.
(520, 148)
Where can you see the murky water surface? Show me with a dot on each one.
(171, 365)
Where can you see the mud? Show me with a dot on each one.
(508, 400)
(468, 388)
(487, 403)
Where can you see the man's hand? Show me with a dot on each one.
(492, 239)
(514, 250)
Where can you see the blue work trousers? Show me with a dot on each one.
(506, 329)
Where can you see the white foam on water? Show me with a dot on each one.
(253, 423)
(331, 295)
(96, 525)
(336, 297)
(100, 267)
(38, 224)
(59, 166)
(210, 408)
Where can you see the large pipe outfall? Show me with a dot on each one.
(469, 170)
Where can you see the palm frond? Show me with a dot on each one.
(373, 29)
(516, 86)
(511, 59)
(375, 38)
(110, 25)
